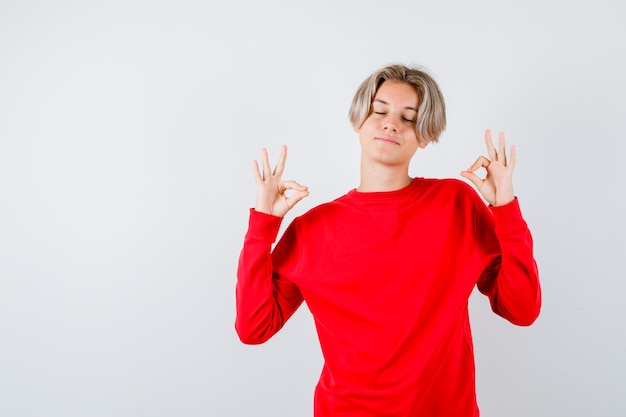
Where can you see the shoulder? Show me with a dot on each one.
(452, 194)
(323, 211)
(449, 187)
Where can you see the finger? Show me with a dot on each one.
(292, 185)
(280, 165)
(294, 199)
(491, 150)
(266, 164)
(257, 174)
(512, 159)
(502, 148)
(481, 162)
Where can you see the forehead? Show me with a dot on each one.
(397, 93)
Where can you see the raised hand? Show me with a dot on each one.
(497, 186)
(271, 196)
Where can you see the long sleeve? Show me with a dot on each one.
(386, 277)
(265, 299)
(511, 279)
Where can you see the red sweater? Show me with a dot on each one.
(387, 277)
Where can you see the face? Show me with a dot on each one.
(388, 134)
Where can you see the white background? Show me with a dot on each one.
(127, 131)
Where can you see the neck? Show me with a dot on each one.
(382, 178)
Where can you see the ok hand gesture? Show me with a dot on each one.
(497, 186)
(271, 197)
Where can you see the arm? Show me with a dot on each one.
(511, 279)
(264, 299)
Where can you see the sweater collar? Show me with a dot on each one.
(403, 195)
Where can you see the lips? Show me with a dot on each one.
(387, 139)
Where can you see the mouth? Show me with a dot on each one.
(387, 139)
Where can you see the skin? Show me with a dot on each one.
(388, 138)
(497, 186)
(271, 195)
(388, 142)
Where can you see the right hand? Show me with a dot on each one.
(271, 197)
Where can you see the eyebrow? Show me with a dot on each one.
(384, 102)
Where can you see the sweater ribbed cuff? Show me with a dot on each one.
(263, 226)
(508, 218)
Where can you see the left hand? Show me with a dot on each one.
(497, 186)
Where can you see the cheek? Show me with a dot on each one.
(410, 133)
(367, 125)
(407, 132)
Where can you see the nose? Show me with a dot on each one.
(391, 123)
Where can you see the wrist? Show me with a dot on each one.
(503, 201)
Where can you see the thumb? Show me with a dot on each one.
(295, 199)
(301, 192)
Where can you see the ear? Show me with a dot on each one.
(422, 144)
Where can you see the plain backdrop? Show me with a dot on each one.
(127, 135)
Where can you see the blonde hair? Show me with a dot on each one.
(431, 112)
